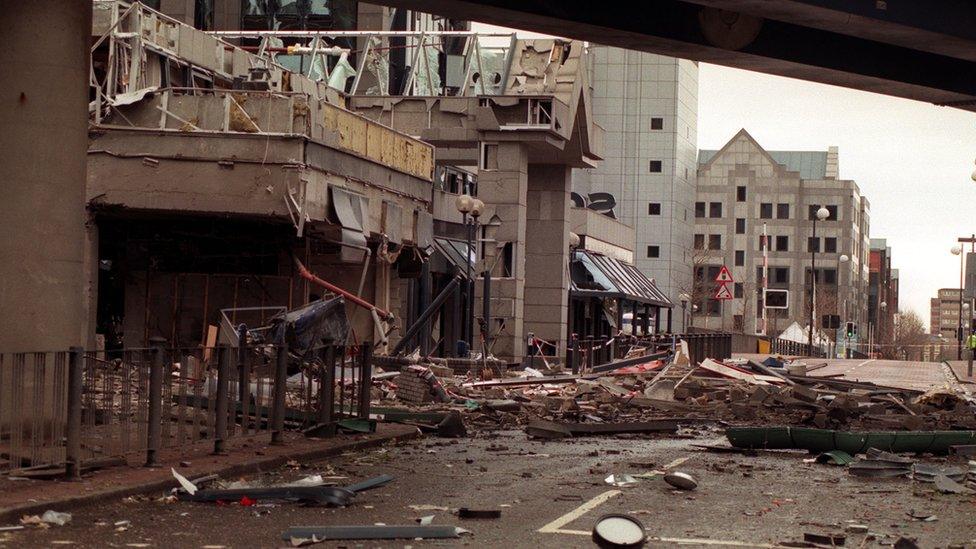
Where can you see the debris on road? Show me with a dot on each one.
(830, 540)
(307, 490)
(834, 457)
(621, 481)
(681, 481)
(48, 518)
(619, 532)
(305, 535)
(466, 513)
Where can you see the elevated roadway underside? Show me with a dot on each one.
(918, 50)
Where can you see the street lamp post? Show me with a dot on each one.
(821, 214)
(841, 267)
(957, 250)
(470, 209)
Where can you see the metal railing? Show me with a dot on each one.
(795, 348)
(72, 407)
(585, 353)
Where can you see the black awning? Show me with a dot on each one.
(453, 253)
(597, 275)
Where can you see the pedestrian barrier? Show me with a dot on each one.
(74, 407)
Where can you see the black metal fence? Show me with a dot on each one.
(795, 348)
(73, 407)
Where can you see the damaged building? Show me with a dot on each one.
(426, 172)
(223, 187)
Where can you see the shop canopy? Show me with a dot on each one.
(597, 275)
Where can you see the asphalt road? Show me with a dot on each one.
(741, 500)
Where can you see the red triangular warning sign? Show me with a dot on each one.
(724, 276)
(723, 292)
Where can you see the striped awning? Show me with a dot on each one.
(597, 275)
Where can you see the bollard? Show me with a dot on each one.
(278, 402)
(220, 408)
(154, 432)
(72, 467)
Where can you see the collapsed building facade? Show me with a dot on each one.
(212, 170)
(231, 172)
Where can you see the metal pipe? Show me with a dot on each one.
(307, 275)
(350, 33)
(425, 316)
(72, 469)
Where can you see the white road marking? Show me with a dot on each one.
(677, 462)
(555, 526)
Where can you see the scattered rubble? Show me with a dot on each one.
(651, 391)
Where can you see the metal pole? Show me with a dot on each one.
(813, 284)
(365, 380)
(469, 285)
(278, 403)
(72, 468)
(425, 316)
(243, 376)
(765, 280)
(220, 408)
(155, 401)
(473, 250)
(486, 312)
(423, 300)
(327, 384)
(959, 324)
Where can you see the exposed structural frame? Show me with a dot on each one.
(474, 54)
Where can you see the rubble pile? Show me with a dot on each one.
(729, 392)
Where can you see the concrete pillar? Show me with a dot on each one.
(547, 254)
(503, 186)
(44, 115)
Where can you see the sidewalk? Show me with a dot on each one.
(959, 367)
(243, 456)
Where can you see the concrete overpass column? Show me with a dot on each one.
(44, 115)
(503, 186)
(547, 254)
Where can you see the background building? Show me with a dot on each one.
(648, 105)
(742, 187)
(944, 314)
(882, 293)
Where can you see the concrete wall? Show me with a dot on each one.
(43, 113)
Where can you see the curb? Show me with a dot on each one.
(9, 514)
(952, 370)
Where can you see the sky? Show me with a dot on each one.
(912, 160)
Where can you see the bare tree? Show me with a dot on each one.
(699, 289)
(908, 338)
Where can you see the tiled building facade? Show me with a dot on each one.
(648, 105)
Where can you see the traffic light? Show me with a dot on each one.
(851, 330)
